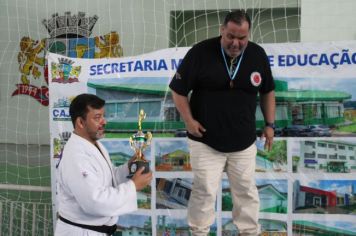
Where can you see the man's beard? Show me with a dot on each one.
(96, 135)
(99, 135)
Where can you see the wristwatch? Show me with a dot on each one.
(271, 125)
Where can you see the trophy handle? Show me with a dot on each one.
(132, 144)
(148, 137)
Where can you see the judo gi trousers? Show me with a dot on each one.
(208, 166)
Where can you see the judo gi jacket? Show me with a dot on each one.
(90, 190)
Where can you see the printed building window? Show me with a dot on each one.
(321, 144)
(309, 155)
(310, 143)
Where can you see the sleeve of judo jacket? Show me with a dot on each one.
(121, 173)
(92, 187)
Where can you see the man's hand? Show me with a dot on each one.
(268, 133)
(195, 128)
(141, 180)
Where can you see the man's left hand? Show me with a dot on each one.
(268, 134)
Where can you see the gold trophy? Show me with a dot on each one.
(139, 142)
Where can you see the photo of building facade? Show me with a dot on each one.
(326, 199)
(177, 225)
(173, 193)
(172, 155)
(327, 156)
(125, 97)
(273, 195)
(317, 228)
(269, 227)
(134, 225)
(274, 160)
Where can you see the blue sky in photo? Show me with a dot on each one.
(115, 145)
(224, 220)
(341, 186)
(280, 184)
(338, 224)
(260, 144)
(347, 85)
(133, 220)
(178, 221)
(167, 146)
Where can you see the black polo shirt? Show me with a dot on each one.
(228, 114)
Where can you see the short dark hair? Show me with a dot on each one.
(79, 105)
(237, 16)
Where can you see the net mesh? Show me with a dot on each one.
(142, 26)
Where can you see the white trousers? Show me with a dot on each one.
(64, 229)
(208, 166)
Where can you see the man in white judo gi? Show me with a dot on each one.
(92, 193)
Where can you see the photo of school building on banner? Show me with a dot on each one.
(309, 171)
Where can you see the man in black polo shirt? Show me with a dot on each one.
(223, 76)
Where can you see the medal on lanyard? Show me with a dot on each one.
(229, 71)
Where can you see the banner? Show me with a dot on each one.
(307, 181)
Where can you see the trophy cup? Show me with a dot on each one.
(139, 142)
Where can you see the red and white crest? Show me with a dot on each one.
(256, 79)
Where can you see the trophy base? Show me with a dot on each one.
(136, 165)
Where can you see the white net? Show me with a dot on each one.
(142, 26)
